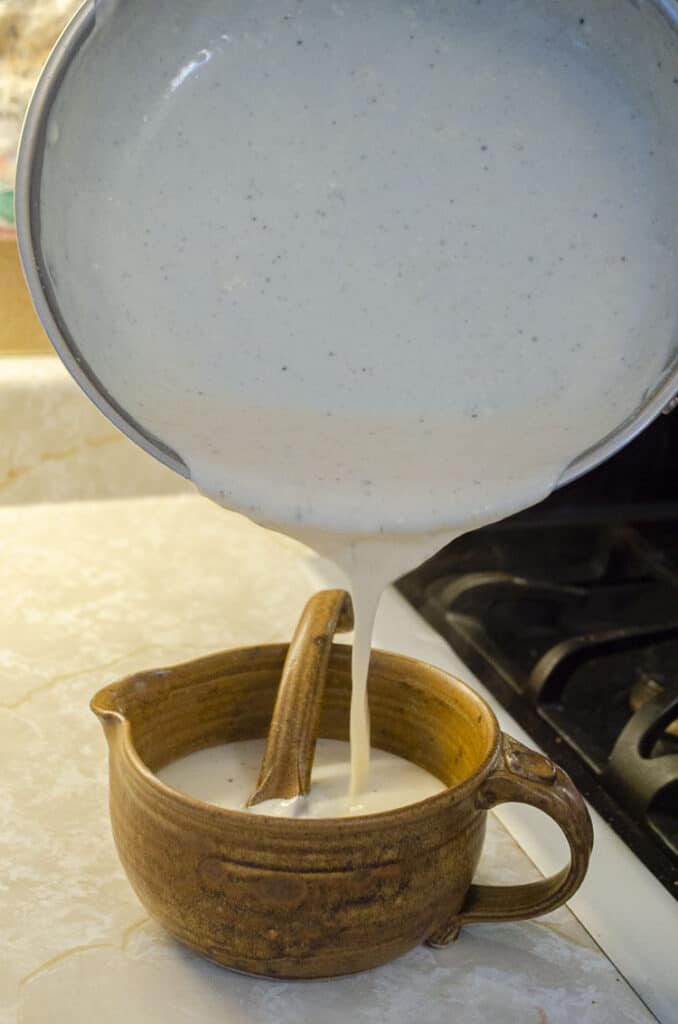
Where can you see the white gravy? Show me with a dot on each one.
(376, 271)
(227, 776)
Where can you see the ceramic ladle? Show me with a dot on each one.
(286, 766)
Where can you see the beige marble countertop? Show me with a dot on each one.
(93, 591)
(55, 445)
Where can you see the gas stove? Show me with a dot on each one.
(567, 616)
(584, 654)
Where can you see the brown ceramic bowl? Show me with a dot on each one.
(291, 898)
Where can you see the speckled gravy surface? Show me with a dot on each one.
(376, 272)
(227, 776)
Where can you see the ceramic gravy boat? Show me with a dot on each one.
(300, 898)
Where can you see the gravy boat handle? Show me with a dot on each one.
(524, 776)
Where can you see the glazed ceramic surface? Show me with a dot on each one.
(302, 899)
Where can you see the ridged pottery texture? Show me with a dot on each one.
(291, 898)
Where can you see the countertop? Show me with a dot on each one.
(55, 445)
(93, 591)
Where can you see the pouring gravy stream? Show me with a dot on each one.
(376, 272)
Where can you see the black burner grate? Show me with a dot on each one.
(575, 630)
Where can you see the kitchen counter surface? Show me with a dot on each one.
(93, 591)
(56, 446)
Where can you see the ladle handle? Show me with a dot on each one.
(288, 759)
(525, 776)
